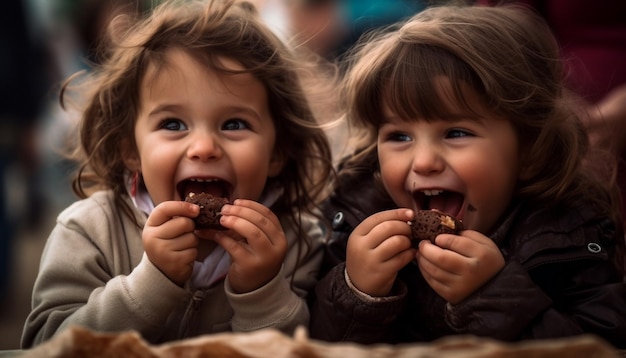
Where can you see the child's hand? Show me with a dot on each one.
(258, 256)
(377, 249)
(169, 241)
(459, 265)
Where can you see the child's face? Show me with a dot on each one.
(465, 167)
(199, 130)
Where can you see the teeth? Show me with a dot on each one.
(204, 180)
(432, 192)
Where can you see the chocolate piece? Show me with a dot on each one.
(210, 210)
(430, 223)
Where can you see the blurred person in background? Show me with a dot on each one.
(592, 38)
(72, 30)
(23, 85)
(41, 42)
(330, 27)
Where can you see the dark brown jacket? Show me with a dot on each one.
(558, 281)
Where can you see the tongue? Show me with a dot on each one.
(447, 202)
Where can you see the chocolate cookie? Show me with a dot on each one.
(430, 223)
(210, 210)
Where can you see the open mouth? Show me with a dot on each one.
(216, 187)
(448, 202)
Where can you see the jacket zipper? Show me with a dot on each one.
(190, 314)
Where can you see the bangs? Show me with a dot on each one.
(412, 89)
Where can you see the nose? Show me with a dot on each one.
(204, 147)
(428, 159)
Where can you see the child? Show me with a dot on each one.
(198, 97)
(467, 114)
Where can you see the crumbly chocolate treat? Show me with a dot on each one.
(430, 223)
(210, 210)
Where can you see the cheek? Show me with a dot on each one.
(158, 166)
(490, 180)
(488, 171)
(251, 180)
(158, 158)
(394, 172)
(251, 169)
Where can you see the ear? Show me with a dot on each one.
(277, 162)
(130, 157)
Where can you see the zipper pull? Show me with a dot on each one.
(196, 299)
(188, 317)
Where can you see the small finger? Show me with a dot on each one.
(170, 209)
(374, 220)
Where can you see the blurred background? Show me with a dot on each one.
(42, 42)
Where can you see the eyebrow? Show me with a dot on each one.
(230, 108)
(164, 107)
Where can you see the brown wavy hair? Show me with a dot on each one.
(509, 57)
(205, 30)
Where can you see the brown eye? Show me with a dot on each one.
(458, 133)
(172, 124)
(235, 124)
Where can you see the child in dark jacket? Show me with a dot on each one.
(464, 111)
